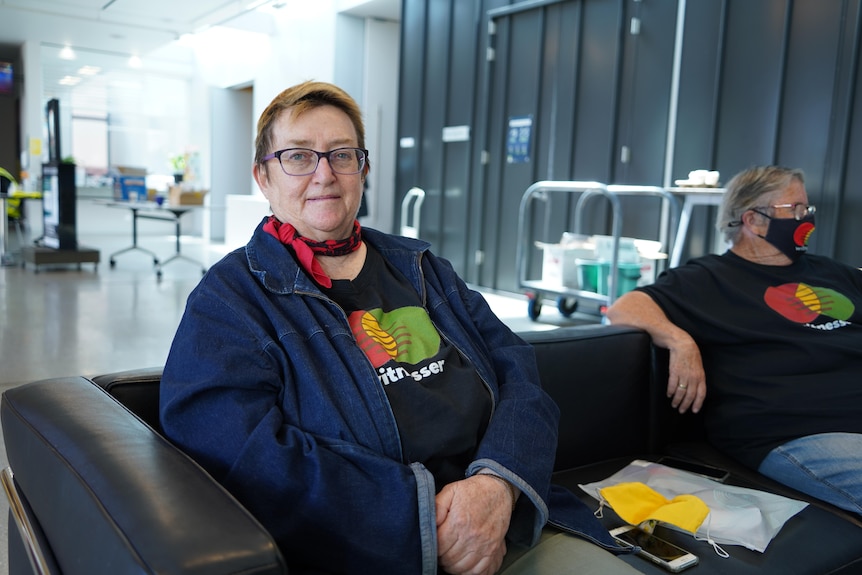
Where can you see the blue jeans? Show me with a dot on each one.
(827, 466)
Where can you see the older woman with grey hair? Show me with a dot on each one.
(774, 334)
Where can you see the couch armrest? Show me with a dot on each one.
(599, 376)
(112, 496)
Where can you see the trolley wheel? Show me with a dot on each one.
(567, 306)
(534, 306)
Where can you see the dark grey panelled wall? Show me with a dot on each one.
(759, 81)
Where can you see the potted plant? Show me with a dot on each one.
(178, 165)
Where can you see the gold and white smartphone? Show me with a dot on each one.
(655, 549)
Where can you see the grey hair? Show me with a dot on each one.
(746, 190)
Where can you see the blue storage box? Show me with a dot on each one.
(125, 185)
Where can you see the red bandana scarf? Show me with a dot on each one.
(306, 248)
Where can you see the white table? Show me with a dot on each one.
(691, 197)
(154, 211)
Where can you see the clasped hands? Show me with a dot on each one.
(473, 517)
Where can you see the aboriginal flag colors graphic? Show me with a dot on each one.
(803, 303)
(385, 336)
(803, 233)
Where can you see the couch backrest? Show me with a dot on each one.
(600, 377)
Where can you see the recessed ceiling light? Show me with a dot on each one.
(135, 62)
(89, 70)
(67, 53)
(70, 81)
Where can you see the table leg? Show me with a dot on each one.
(134, 245)
(5, 258)
(178, 255)
(681, 232)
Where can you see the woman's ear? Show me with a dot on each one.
(754, 221)
(260, 176)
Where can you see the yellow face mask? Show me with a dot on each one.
(637, 503)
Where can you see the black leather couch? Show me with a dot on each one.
(94, 488)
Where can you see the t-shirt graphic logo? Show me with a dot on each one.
(385, 336)
(803, 233)
(803, 303)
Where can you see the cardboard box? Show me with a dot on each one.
(130, 187)
(559, 262)
(129, 181)
(649, 263)
(177, 196)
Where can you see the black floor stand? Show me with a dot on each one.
(39, 256)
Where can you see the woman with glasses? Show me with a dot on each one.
(775, 336)
(351, 391)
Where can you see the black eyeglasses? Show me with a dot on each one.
(800, 210)
(304, 161)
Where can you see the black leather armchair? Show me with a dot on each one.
(94, 488)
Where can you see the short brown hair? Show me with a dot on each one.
(303, 97)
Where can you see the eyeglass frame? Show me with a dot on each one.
(809, 210)
(278, 153)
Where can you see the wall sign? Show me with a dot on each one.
(518, 139)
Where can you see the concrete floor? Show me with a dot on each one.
(61, 320)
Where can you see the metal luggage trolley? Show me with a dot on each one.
(567, 298)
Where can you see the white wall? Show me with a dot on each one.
(380, 104)
(323, 45)
(176, 112)
(231, 152)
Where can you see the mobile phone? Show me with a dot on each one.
(655, 549)
(708, 471)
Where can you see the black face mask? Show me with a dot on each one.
(789, 235)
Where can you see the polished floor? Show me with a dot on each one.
(62, 320)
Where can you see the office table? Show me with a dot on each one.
(154, 211)
(6, 258)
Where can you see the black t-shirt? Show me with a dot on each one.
(781, 346)
(441, 405)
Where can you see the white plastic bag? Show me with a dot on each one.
(737, 515)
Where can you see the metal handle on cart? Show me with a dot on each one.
(589, 190)
(417, 196)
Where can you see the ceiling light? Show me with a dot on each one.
(70, 80)
(89, 70)
(67, 53)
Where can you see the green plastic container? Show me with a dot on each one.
(594, 276)
(588, 274)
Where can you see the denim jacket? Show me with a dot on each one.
(267, 389)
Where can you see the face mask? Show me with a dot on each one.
(790, 235)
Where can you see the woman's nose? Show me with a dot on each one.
(324, 169)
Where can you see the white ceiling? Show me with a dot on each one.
(111, 31)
